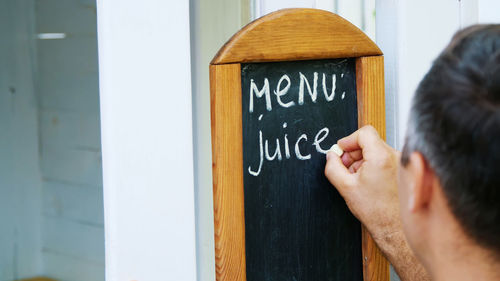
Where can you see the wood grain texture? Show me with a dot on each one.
(371, 111)
(296, 34)
(370, 88)
(227, 159)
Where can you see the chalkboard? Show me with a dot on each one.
(276, 217)
(297, 226)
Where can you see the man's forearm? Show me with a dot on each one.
(399, 254)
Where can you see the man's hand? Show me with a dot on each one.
(366, 176)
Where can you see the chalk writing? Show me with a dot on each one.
(272, 150)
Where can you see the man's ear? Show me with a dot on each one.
(420, 192)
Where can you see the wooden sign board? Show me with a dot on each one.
(283, 90)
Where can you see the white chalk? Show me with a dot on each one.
(336, 148)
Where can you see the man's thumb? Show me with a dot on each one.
(337, 173)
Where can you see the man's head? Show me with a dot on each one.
(452, 150)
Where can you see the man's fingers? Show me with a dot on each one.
(337, 173)
(365, 139)
(355, 166)
(350, 142)
(350, 157)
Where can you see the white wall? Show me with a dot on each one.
(487, 11)
(67, 86)
(410, 44)
(147, 139)
(19, 169)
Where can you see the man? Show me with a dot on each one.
(446, 225)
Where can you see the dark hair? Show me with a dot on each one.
(455, 124)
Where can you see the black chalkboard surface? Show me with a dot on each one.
(297, 226)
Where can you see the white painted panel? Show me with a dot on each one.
(479, 11)
(271, 6)
(81, 204)
(72, 238)
(387, 40)
(468, 12)
(76, 166)
(351, 10)
(488, 11)
(328, 5)
(263, 7)
(146, 119)
(369, 15)
(421, 41)
(68, 268)
(410, 44)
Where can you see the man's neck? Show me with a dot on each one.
(470, 262)
(451, 254)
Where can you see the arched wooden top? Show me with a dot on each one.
(296, 34)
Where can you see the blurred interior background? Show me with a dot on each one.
(51, 205)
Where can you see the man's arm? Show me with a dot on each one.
(366, 176)
(399, 254)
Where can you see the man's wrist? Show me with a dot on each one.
(396, 249)
(390, 242)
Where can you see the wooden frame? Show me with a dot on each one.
(323, 35)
